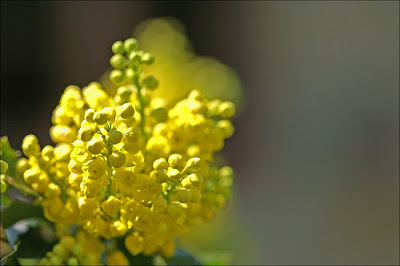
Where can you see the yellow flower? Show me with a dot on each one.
(94, 168)
(168, 249)
(134, 243)
(87, 206)
(111, 206)
(52, 190)
(61, 133)
(30, 146)
(117, 258)
(159, 145)
(90, 187)
(53, 208)
(96, 97)
(129, 165)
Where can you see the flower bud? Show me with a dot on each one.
(77, 250)
(127, 178)
(75, 180)
(160, 115)
(175, 211)
(193, 150)
(134, 243)
(118, 47)
(160, 205)
(3, 186)
(219, 201)
(186, 183)
(127, 111)
(132, 148)
(134, 57)
(48, 151)
(193, 164)
(131, 74)
(67, 242)
(160, 164)
(196, 179)
(147, 58)
(111, 206)
(32, 175)
(133, 135)
(95, 146)
(59, 250)
(72, 261)
(22, 165)
(89, 115)
(226, 109)
(3, 167)
(117, 258)
(168, 249)
(60, 133)
(161, 176)
(196, 95)
(226, 128)
(118, 61)
(30, 145)
(174, 175)
(184, 195)
(117, 77)
(52, 191)
(130, 44)
(175, 161)
(111, 113)
(86, 133)
(114, 136)
(117, 159)
(56, 260)
(150, 82)
(226, 171)
(196, 196)
(75, 167)
(100, 117)
(94, 168)
(87, 206)
(90, 188)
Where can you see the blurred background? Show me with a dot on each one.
(316, 148)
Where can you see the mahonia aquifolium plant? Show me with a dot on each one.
(126, 166)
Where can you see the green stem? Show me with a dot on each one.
(141, 103)
(22, 187)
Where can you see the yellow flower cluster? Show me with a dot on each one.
(83, 249)
(127, 165)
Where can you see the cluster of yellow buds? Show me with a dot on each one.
(80, 250)
(127, 165)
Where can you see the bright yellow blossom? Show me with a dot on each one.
(128, 165)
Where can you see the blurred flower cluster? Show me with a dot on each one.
(136, 166)
(179, 68)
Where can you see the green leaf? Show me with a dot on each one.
(28, 262)
(11, 259)
(216, 258)
(18, 211)
(34, 244)
(182, 257)
(5, 200)
(9, 155)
